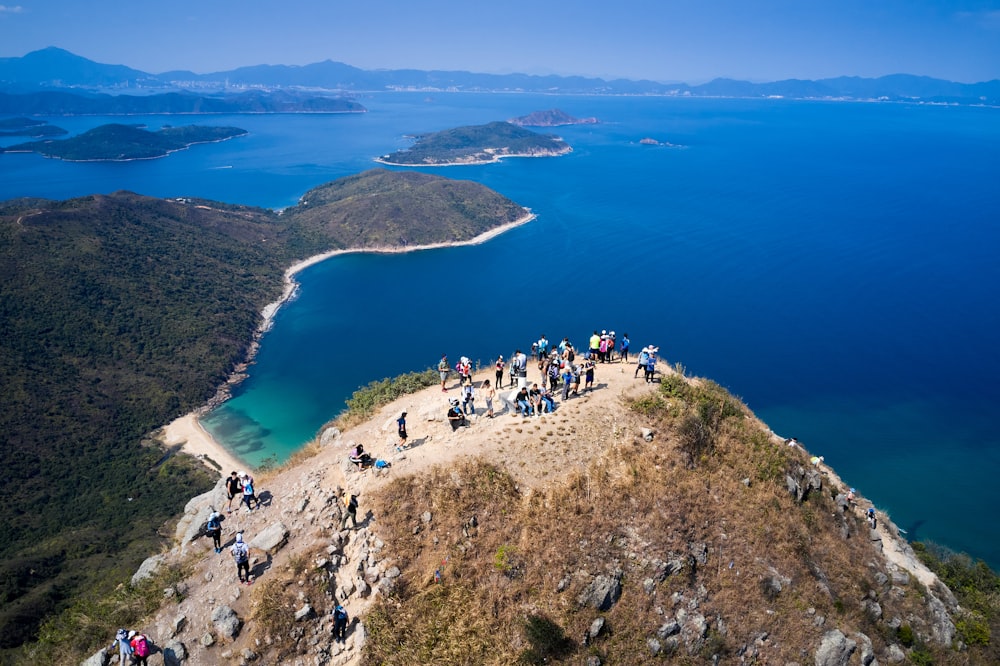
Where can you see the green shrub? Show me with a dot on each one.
(367, 399)
(973, 629)
(905, 635)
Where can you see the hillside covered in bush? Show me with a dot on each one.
(122, 312)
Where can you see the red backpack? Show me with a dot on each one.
(141, 646)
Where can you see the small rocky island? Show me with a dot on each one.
(476, 144)
(649, 141)
(550, 118)
(119, 143)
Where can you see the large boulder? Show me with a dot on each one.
(271, 539)
(148, 568)
(226, 622)
(835, 649)
(174, 653)
(99, 658)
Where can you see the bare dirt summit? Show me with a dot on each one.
(637, 523)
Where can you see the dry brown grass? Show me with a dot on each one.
(715, 499)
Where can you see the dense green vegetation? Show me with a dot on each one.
(398, 209)
(28, 127)
(127, 142)
(121, 313)
(477, 143)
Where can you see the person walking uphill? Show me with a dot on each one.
(241, 555)
(351, 511)
(140, 648)
(340, 621)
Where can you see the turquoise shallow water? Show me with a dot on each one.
(832, 264)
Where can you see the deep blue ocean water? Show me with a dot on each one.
(833, 264)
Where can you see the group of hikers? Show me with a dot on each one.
(559, 366)
(133, 647)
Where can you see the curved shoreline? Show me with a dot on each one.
(187, 430)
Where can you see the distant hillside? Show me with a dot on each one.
(550, 118)
(124, 142)
(121, 313)
(58, 103)
(54, 68)
(477, 144)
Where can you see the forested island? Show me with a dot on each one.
(476, 144)
(118, 143)
(123, 312)
(550, 118)
(28, 127)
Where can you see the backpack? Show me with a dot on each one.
(213, 524)
(340, 613)
(240, 552)
(141, 646)
(248, 489)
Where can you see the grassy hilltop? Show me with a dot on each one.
(123, 312)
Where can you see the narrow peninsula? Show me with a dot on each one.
(476, 144)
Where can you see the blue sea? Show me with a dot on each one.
(833, 264)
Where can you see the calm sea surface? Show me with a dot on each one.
(833, 264)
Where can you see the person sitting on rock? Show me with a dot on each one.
(456, 417)
(359, 457)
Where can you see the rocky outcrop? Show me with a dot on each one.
(835, 649)
(603, 591)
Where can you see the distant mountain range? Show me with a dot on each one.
(56, 69)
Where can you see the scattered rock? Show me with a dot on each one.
(595, 628)
(603, 592)
(226, 622)
(208, 640)
(174, 653)
(305, 613)
(895, 654)
(835, 649)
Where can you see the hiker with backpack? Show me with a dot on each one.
(241, 555)
(140, 648)
(350, 511)
(249, 495)
(213, 528)
(124, 648)
(642, 361)
(340, 620)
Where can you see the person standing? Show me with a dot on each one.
(651, 365)
(401, 426)
(340, 620)
(234, 488)
(443, 371)
(241, 555)
(249, 494)
(499, 365)
(542, 347)
(624, 347)
(488, 394)
(468, 398)
(124, 649)
(588, 382)
(350, 511)
(214, 529)
(643, 358)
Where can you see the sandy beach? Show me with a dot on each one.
(195, 441)
(187, 430)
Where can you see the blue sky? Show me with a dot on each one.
(664, 40)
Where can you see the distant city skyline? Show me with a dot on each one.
(687, 41)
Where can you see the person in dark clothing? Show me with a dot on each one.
(401, 425)
(351, 512)
(234, 488)
(340, 620)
